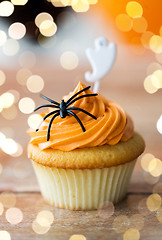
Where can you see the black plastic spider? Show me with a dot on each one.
(64, 109)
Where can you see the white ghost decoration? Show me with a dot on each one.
(101, 58)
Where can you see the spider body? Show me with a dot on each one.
(64, 110)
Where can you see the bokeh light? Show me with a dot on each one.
(159, 125)
(14, 215)
(150, 179)
(35, 83)
(8, 199)
(7, 99)
(134, 9)
(157, 81)
(145, 39)
(131, 234)
(139, 25)
(27, 59)
(2, 77)
(80, 6)
(42, 17)
(16, 95)
(48, 28)
(153, 202)
(156, 44)
(148, 84)
(10, 113)
(155, 167)
(3, 37)
(19, 2)
(106, 210)
(145, 161)
(18, 152)
(152, 67)
(118, 227)
(4, 235)
(39, 229)
(159, 57)
(6, 8)
(1, 208)
(45, 218)
(22, 75)
(61, 3)
(124, 22)
(77, 237)
(9, 146)
(136, 221)
(69, 60)
(142, 208)
(17, 30)
(11, 47)
(26, 105)
(34, 121)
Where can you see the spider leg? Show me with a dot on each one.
(77, 118)
(84, 89)
(49, 126)
(48, 105)
(86, 95)
(56, 111)
(82, 110)
(50, 100)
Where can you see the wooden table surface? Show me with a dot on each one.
(18, 177)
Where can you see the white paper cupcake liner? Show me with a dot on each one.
(83, 189)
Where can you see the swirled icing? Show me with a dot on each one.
(112, 125)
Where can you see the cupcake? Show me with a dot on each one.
(83, 160)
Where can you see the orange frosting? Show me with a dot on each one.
(112, 125)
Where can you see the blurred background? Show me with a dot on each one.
(42, 49)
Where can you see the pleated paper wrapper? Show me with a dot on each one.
(83, 189)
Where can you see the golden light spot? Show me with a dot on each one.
(48, 28)
(69, 60)
(145, 160)
(1, 209)
(42, 17)
(45, 218)
(153, 202)
(17, 30)
(137, 221)
(153, 67)
(156, 44)
(139, 25)
(39, 229)
(3, 37)
(16, 95)
(77, 237)
(142, 208)
(6, 9)
(34, 121)
(157, 188)
(10, 113)
(11, 47)
(145, 39)
(7, 99)
(106, 210)
(22, 75)
(9, 146)
(1, 106)
(4, 235)
(121, 223)
(8, 199)
(157, 81)
(60, 3)
(27, 59)
(155, 167)
(26, 105)
(159, 214)
(19, 2)
(92, 1)
(80, 6)
(134, 9)
(150, 179)
(124, 22)
(18, 152)
(159, 57)
(2, 77)
(14, 215)
(148, 86)
(35, 83)
(159, 125)
(131, 234)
